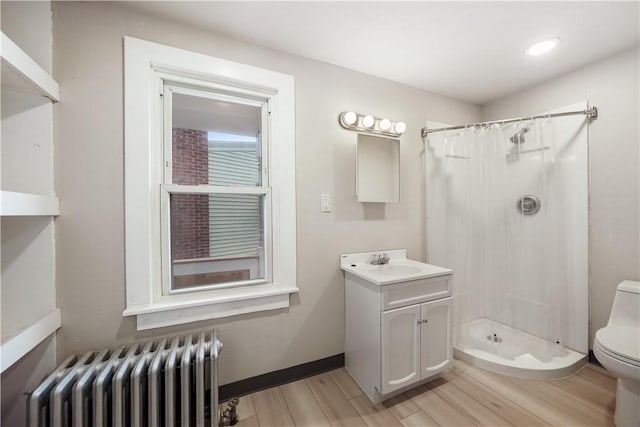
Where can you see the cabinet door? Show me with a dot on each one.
(436, 337)
(400, 347)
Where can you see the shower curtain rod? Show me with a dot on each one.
(591, 113)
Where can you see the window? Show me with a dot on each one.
(209, 186)
(215, 179)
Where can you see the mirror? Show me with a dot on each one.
(377, 169)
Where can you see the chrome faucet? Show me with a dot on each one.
(380, 259)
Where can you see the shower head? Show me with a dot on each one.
(518, 137)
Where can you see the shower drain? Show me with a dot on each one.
(528, 205)
(494, 338)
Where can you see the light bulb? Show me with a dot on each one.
(367, 121)
(349, 118)
(400, 127)
(542, 47)
(384, 124)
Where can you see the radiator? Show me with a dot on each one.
(166, 382)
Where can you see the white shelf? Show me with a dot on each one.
(22, 73)
(22, 343)
(25, 204)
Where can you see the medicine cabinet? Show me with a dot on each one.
(377, 169)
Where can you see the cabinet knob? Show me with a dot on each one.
(419, 321)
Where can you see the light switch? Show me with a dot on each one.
(325, 203)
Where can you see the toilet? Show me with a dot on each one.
(617, 348)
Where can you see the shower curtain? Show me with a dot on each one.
(509, 260)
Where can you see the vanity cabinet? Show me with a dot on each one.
(416, 343)
(401, 342)
(436, 337)
(398, 335)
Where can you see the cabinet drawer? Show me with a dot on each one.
(416, 291)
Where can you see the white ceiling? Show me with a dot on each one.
(466, 50)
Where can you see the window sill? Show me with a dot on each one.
(193, 308)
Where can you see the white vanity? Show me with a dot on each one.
(398, 321)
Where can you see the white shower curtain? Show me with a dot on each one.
(510, 269)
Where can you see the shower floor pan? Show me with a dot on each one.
(481, 352)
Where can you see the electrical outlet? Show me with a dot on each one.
(325, 203)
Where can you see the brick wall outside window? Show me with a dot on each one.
(190, 212)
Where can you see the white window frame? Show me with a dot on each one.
(147, 66)
(167, 186)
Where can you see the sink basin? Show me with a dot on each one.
(399, 268)
(394, 269)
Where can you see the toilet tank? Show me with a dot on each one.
(625, 310)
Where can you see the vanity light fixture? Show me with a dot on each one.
(400, 127)
(384, 124)
(369, 124)
(542, 47)
(350, 118)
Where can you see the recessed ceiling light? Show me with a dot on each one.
(542, 47)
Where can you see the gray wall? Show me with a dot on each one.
(614, 152)
(89, 181)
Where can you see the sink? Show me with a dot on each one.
(394, 269)
(399, 268)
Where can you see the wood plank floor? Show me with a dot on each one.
(464, 396)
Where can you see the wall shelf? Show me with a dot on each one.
(25, 204)
(29, 205)
(22, 73)
(14, 348)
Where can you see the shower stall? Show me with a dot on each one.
(507, 210)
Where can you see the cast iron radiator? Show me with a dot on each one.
(166, 382)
